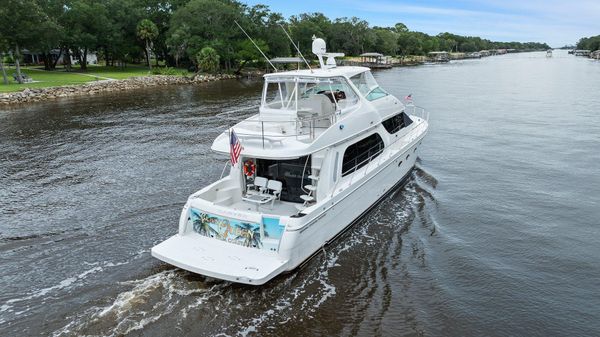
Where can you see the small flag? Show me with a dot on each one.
(408, 98)
(235, 147)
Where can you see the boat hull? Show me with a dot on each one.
(223, 260)
(346, 208)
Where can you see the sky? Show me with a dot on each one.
(556, 22)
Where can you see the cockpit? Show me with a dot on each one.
(304, 96)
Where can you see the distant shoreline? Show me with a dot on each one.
(50, 93)
(29, 95)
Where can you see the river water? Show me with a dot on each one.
(495, 234)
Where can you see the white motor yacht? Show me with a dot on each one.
(325, 146)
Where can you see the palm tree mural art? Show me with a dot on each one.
(250, 235)
(240, 233)
(201, 225)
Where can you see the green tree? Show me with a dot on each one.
(208, 60)
(590, 43)
(147, 31)
(85, 22)
(304, 26)
(177, 43)
(247, 52)
(21, 21)
(386, 41)
(3, 47)
(400, 28)
(263, 24)
(209, 23)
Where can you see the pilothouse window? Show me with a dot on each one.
(361, 153)
(397, 122)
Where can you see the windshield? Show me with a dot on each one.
(280, 94)
(309, 94)
(367, 86)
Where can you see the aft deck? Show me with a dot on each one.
(280, 208)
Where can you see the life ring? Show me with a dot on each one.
(249, 168)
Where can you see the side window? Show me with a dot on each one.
(360, 153)
(397, 122)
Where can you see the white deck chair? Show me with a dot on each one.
(259, 186)
(274, 186)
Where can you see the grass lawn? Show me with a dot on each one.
(60, 77)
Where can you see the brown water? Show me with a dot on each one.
(495, 234)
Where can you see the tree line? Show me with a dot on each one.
(193, 33)
(589, 43)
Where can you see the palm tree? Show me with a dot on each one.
(208, 60)
(147, 31)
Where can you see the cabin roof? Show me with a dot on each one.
(286, 60)
(371, 55)
(320, 72)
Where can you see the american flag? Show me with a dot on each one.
(235, 147)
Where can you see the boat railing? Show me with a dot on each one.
(224, 168)
(275, 130)
(418, 111)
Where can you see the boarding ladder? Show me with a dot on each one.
(311, 190)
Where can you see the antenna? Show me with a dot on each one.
(255, 45)
(295, 46)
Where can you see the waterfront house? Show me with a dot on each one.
(581, 52)
(30, 57)
(375, 60)
(438, 56)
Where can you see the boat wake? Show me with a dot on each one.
(369, 254)
(14, 308)
(146, 301)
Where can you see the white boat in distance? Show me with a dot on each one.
(326, 145)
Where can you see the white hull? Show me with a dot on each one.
(325, 146)
(304, 236)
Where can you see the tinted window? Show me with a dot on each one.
(357, 155)
(289, 172)
(397, 122)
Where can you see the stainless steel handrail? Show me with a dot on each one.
(295, 125)
(224, 167)
(418, 111)
(299, 123)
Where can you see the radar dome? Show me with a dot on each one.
(319, 47)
